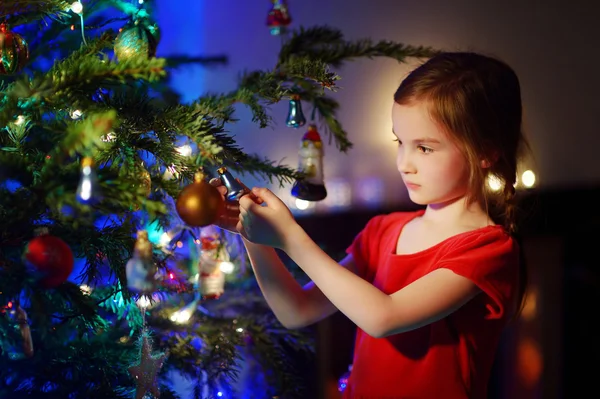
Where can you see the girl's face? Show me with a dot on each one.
(433, 168)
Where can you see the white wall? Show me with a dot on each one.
(552, 45)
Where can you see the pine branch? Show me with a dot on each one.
(83, 70)
(304, 38)
(327, 108)
(210, 343)
(200, 122)
(327, 45)
(19, 12)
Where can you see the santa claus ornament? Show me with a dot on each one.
(310, 159)
(212, 278)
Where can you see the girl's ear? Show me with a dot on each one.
(488, 162)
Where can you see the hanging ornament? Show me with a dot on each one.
(50, 258)
(88, 191)
(141, 269)
(146, 371)
(278, 18)
(14, 51)
(212, 278)
(199, 204)
(311, 187)
(343, 381)
(235, 189)
(139, 37)
(295, 116)
(24, 349)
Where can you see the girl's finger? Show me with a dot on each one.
(222, 190)
(249, 192)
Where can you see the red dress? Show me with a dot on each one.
(450, 358)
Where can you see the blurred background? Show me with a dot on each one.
(550, 44)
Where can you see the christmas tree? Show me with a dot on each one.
(103, 170)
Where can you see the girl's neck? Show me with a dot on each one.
(457, 213)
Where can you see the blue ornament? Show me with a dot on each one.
(295, 116)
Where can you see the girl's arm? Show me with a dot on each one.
(293, 305)
(424, 301)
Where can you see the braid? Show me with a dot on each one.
(510, 207)
(510, 224)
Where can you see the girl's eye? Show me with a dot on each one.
(425, 150)
(397, 140)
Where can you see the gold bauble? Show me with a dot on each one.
(200, 204)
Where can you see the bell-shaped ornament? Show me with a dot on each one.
(295, 116)
(235, 189)
(311, 187)
(88, 191)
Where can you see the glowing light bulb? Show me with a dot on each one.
(302, 204)
(75, 114)
(184, 314)
(143, 302)
(494, 183)
(165, 239)
(185, 150)
(109, 137)
(87, 190)
(86, 289)
(77, 7)
(528, 178)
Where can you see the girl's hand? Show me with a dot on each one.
(270, 224)
(230, 218)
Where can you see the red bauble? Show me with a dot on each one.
(52, 258)
(14, 51)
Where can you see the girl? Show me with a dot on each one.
(430, 291)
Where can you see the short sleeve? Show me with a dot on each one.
(491, 261)
(364, 247)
